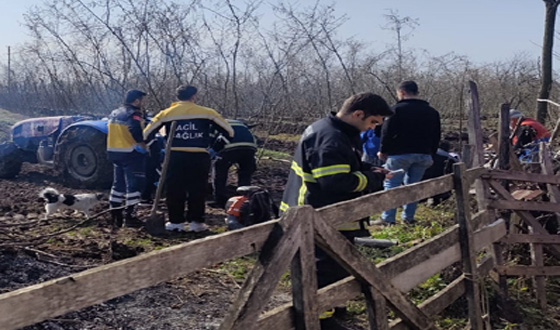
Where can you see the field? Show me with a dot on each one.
(37, 252)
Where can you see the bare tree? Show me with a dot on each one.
(551, 7)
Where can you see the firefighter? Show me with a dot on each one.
(127, 150)
(189, 162)
(327, 169)
(239, 150)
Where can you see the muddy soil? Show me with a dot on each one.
(197, 301)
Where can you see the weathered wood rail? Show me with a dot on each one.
(291, 239)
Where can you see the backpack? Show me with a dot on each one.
(254, 206)
(261, 208)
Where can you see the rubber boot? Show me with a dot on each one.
(116, 218)
(130, 219)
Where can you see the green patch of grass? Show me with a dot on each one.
(139, 242)
(274, 154)
(238, 268)
(285, 137)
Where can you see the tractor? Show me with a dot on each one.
(75, 146)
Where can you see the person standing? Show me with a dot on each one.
(327, 169)
(189, 162)
(239, 150)
(127, 150)
(409, 138)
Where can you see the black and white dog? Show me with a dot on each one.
(56, 201)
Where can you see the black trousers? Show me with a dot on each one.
(244, 158)
(328, 270)
(187, 180)
(153, 163)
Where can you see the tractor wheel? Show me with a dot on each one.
(81, 159)
(11, 158)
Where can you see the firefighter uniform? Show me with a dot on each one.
(189, 165)
(241, 151)
(124, 149)
(327, 169)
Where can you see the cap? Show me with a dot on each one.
(133, 95)
(513, 114)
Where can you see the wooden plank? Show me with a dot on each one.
(445, 297)
(376, 309)
(531, 238)
(528, 270)
(526, 194)
(349, 288)
(275, 257)
(474, 127)
(526, 216)
(503, 137)
(304, 281)
(346, 254)
(467, 155)
(475, 173)
(539, 282)
(524, 206)
(362, 207)
(468, 250)
(418, 273)
(522, 176)
(59, 296)
(481, 219)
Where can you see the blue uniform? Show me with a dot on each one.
(125, 151)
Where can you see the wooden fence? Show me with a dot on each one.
(289, 242)
(530, 230)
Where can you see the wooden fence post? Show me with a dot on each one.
(475, 139)
(468, 252)
(304, 280)
(275, 257)
(376, 307)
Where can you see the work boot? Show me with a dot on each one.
(116, 218)
(130, 219)
(133, 222)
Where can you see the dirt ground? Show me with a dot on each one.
(197, 301)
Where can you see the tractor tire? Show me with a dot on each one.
(80, 159)
(11, 158)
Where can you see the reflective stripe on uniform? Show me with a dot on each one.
(362, 183)
(330, 170)
(284, 206)
(307, 177)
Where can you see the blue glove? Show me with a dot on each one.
(140, 150)
(212, 153)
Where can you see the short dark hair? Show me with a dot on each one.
(133, 95)
(371, 104)
(444, 145)
(186, 92)
(409, 87)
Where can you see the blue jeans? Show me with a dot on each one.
(414, 165)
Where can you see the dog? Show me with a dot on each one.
(56, 201)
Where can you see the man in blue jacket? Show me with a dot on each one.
(127, 150)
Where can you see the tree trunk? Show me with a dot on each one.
(546, 68)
